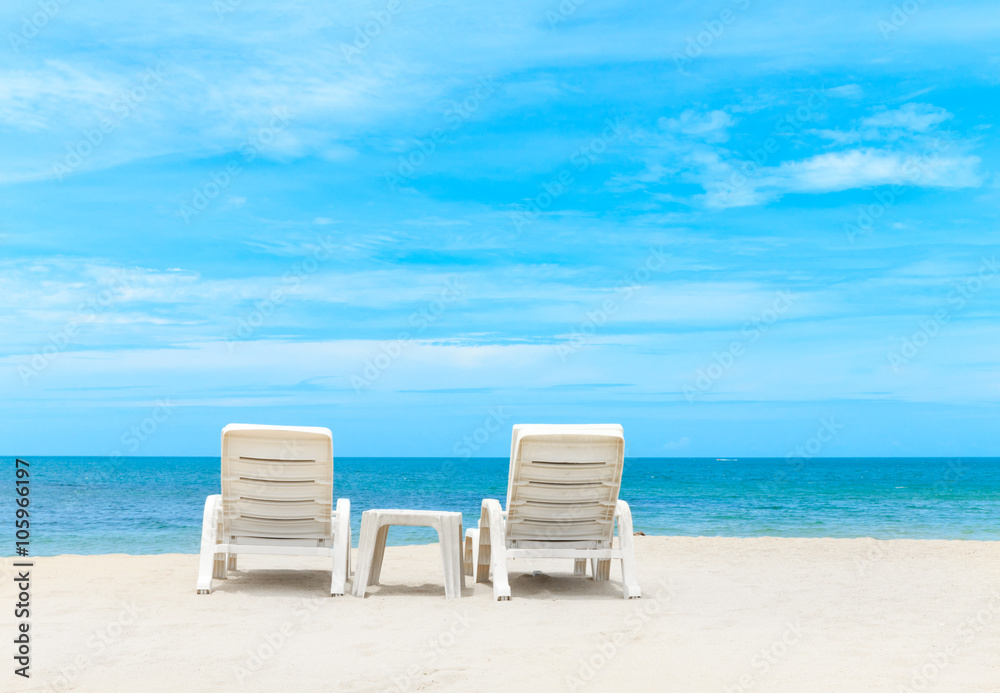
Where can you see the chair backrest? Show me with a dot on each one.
(563, 483)
(277, 485)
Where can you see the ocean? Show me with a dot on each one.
(151, 505)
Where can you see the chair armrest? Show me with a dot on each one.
(342, 516)
(492, 514)
(623, 517)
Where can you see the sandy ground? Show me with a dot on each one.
(722, 615)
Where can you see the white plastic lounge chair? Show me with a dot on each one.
(277, 498)
(562, 502)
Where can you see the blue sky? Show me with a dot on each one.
(735, 228)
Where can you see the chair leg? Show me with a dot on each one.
(461, 557)
(221, 563)
(471, 559)
(491, 516)
(483, 554)
(341, 547)
(630, 581)
(580, 566)
(209, 540)
(231, 565)
(219, 566)
(602, 569)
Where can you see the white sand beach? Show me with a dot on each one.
(720, 615)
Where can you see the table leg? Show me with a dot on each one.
(366, 550)
(380, 539)
(450, 537)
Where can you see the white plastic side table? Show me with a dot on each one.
(371, 546)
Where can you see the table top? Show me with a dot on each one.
(414, 513)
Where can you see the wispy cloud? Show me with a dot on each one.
(912, 117)
(905, 148)
(711, 127)
(852, 169)
(909, 121)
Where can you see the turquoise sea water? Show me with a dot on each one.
(147, 505)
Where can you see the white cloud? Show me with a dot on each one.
(711, 126)
(863, 168)
(842, 137)
(40, 99)
(910, 152)
(846, 91)
(909, 121)
(851, 169)
(914, 117)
